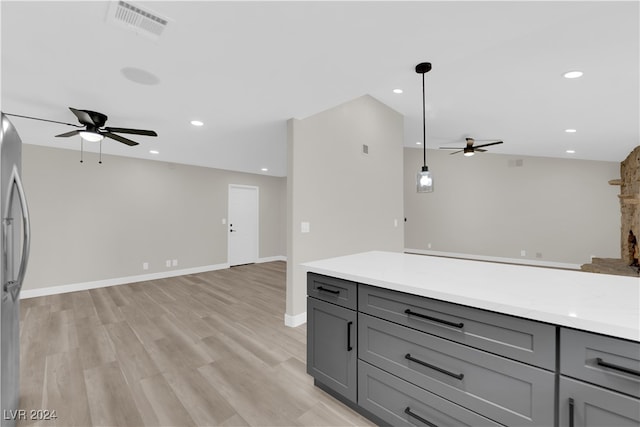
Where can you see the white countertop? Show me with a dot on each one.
(600, 303)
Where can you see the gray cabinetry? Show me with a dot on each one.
(586, 405)
(408, 360)
(332, 345)
(519, 339)
(403, 404)
(599, 382)
(504, 390)
(605, 361)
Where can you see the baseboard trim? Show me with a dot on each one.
(62, 289)
(295, 321)
(519, 261)
(271, 259)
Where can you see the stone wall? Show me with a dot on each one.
(629, 183)
(629, 202)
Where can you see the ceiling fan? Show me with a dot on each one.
(93, 128)
(470, 149)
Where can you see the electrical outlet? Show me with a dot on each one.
(523, 253)
(395, 222)
(168, 263)
(145, 265)
(174, 263)
(305, 227)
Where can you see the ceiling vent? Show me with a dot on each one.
(134, 18)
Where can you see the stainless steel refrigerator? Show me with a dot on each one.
(13, 264)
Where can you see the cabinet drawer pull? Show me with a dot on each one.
(349, 348)
(433, 319)
(331, 291)
(418, 417)
(435, 368)
(602, 363)
(571, 409)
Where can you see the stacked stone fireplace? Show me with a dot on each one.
(629, 196)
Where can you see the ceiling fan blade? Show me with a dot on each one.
(481, 150)
(119, 138)
(42, 120)
(491, 143)
(456, 152)
(72, 133)
(451, 148)
(83, 117)
(132, 131)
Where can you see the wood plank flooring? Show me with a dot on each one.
(207, 349)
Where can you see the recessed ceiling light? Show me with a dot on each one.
(418, 143)
(154, 152)
(570, 130)
(572, 74)
(264, 170)
(397, 91)
(196, 123)
(571, 151)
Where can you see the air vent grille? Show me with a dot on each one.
(141, 21)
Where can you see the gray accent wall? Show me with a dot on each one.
(349, 199)
(557, 210)
(94, 222)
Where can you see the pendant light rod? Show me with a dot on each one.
(423, 68)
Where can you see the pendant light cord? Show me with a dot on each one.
(424, 125)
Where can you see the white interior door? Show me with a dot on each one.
(243, 224)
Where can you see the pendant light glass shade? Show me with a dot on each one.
(424, 180)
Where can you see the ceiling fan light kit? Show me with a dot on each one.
(424, 180)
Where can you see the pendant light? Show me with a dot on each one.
(424, 181)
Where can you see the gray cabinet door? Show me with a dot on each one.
(331, 346)
(586, 405)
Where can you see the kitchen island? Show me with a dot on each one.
(420, 340)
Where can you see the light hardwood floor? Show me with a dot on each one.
(206, 349)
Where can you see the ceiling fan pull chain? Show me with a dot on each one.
(81, 150)
(100, 161)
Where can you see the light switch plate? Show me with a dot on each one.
(305, 227)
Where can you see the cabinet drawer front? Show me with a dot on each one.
(593, 406)
(519, 339)
(606, 361)
(509, 392)
(388, 397)
(336, 291)
(331, 346)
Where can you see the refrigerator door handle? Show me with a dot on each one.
(13, 287)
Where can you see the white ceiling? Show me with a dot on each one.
(244, 68)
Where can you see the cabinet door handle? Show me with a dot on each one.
(435, 368)
(418, 417)
(571, 409)
(433, 319)
(601, 362)
(331, 291)
(349, 348)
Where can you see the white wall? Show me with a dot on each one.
(94, 222)
(562, 209)
(350, 199)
